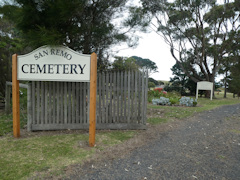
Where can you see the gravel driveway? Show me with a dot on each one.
(206, 146)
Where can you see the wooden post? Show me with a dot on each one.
(15, 98)
(93, 95)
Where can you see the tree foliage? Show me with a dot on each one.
(198, 32)
(180, 82)
(229, 62)
(135, 63)
(10, 43)
(84, 26)
(124, 64)
(153, 81)
(151, 85)
(234, 79)
(146, 65)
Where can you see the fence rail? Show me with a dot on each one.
(121, 103)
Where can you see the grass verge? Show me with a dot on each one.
(22, 158)
(180, 112)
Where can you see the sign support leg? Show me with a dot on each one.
(93, 96)
(15, 98)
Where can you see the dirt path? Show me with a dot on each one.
(206, 146)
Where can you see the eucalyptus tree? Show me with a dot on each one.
(197, 32)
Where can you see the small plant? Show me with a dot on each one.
(155, 101)
(174, 94)
(155, 94)
(173, 100)
(158, 89)
(161, 101)
(164, 101)
(164, 92)
(187, 101)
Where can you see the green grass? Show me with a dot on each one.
(116, 136)
(21, 158)
(180, 112)
(155, 120)
(6, 123)
(235, 131)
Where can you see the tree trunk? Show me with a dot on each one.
(225, 86)
(212, 79)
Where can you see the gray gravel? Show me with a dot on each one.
(206, 146)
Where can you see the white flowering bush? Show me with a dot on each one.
(155, 101)
(164, 101)
(184, 101)
(161, 101)
(187, 101)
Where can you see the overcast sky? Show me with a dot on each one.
(152, 46)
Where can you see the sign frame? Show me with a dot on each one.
(204, 85)
(92, 98)
(54, 63)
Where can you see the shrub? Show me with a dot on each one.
(174, 100)
(158, 89)
(155, 94)
(150, 98)
(151, 85)
(164, 101)
(187, 101)
(155, 101)
(161, 101)
(174, 94)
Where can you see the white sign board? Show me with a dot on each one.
(54, 64)
(204, 85)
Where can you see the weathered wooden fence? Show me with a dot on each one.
(121, 103)
(121, 100)
(58, 105)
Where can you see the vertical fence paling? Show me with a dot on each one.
(32, 97)
(29, 107)
(107, 105)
